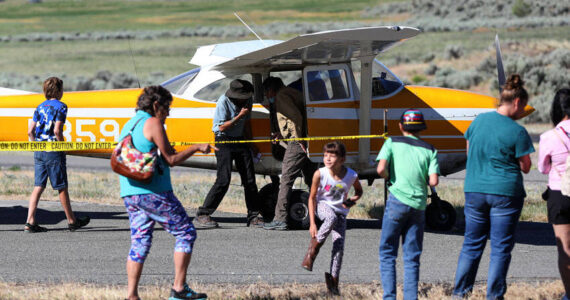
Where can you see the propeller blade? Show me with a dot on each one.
(500, 68)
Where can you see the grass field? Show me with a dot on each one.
(170, 56)
(191, 188)
(19, 16)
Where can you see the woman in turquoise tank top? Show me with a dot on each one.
(155, 202)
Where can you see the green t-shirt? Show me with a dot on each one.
(410, 161)
(496, 142)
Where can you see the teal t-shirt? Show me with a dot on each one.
(496, 142)
(410, 161)
(160, 182)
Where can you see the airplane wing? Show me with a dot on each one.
(333, 46)
(218, 53)
(12, 92)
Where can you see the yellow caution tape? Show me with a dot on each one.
(55, 146)
(86, 146)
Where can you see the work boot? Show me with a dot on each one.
(314, 247)
(332, 284)
(204, 222)
(256, 222)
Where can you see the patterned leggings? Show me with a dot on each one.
(337, 224)
(146, 209)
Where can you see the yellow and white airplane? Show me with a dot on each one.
(347, 92)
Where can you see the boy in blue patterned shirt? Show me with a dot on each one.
(47, 126)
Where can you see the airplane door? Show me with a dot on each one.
(331, 103)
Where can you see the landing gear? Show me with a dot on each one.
(298, 205)
(268, 197)
(299, 210)
(440, 214)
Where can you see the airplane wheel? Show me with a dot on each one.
(299, 210)
(268, 196)
(441, 219)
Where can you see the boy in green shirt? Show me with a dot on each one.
(409, 164)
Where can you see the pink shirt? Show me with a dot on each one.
(552, 153)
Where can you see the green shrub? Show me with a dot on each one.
(521, 9)
(418, 78)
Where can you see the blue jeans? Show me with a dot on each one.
(407, 222)
(487, 216)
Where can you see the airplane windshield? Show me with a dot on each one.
(214, 90)
(177, 85)
(384, 82)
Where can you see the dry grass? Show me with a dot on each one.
(191, 188)
(517, 290)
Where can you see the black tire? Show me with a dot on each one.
(442, 219)
(299, 210)
(268, 197)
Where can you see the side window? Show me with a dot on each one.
(214, 90)
(327, 85)
(383, 81)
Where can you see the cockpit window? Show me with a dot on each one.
(327, 85)
(214, 90)
(384, 83)
(179, 84)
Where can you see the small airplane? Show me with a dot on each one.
(347, 92)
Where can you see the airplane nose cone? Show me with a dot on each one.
(528, 110)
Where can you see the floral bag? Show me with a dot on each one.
(126, 160)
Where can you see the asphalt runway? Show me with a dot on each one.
(230, 254)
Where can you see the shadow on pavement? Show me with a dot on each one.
(18, 215)
(535, 233)
(530, 233)
(363, 224)
(350, 223)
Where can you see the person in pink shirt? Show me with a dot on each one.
(554, 148)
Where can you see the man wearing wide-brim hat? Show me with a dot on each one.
(232, 123)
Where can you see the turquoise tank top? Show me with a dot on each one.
(160, 182)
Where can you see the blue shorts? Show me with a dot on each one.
(52, 165)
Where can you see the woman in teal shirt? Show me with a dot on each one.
(155, 202)
(498, 150)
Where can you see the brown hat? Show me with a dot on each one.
(240, 89)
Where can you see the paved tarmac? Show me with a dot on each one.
(231, 254)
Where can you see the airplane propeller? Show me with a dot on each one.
(500, 68)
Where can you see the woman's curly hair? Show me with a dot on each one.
(152, 94)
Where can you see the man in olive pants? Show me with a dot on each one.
(290, 113)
